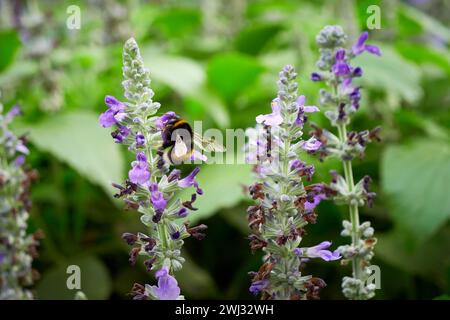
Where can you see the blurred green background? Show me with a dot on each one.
(218, 60)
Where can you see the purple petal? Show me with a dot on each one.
(114, 104)
(140, 139)
(140, 172)
(259, 285)
(161, 121)
(141, 157)
(310, 109)
(310, 206)
(357, 72)
(340, 55)
(301, 100)
(22, 148)
(182, 213)
(316, 77)
(189, 181)
(13, 112)
(319, 251)
(273, 119)
(311, 145)
(19, 161)
(358, 47)
(157, 198)
(275, 105)
(119, 116)
(167, 288)
(341, 69)
(373, 49)
(107, 119)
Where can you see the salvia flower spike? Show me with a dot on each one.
(341, 100)
(284, 206)
(17, 248)
(151, 185)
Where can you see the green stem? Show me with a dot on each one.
(353, 208)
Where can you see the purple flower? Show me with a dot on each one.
(311, 145)
(319, 251)
(13, 112)
(167, 288)
(311, 203)
(21, 147)
(357, 72)
(340, 67)
(161, 121)
(302, 109)
(157, 198)
(120, 134)
(182, 213)
(259, 285)
(19, 161)
(189, 181)
(274, 118)
(359, 46)
(140, 172)
(140, 139)
(114, 114)
(316, 77)
(2, 257)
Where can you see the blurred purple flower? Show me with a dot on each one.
(274, 118)
(167, 288)
(19, 161)
(21, 147)
(140, 172)
(114, 113)
(316, 77)
(312, 144)
(259, 285)
(13, 112)
(360, 46)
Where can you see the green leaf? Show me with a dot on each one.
(77, 139)
(416, 178)
(95, 280)
(231, 73)
(209, 102)
(422, 54)
(429, 260)
(9, 45)
(18, 71)
(391, 74)
(182, 74)
(222, 188)
(176, 23)
(256, 37)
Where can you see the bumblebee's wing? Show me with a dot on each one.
(208, 145)
(180, 149)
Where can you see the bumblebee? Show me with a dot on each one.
(179, 141)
